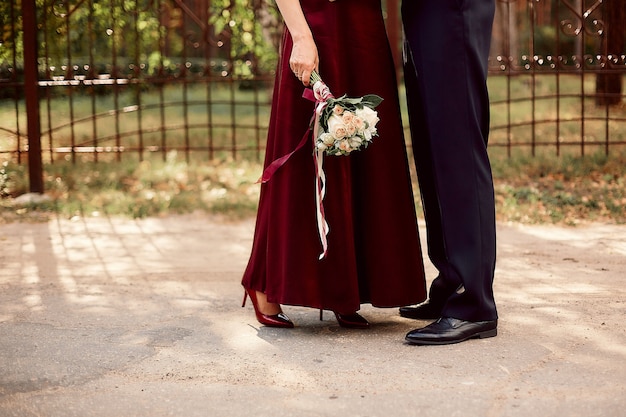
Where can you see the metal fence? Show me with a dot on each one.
(556, 76)
(104, 80)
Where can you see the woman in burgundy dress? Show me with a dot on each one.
(374, 251)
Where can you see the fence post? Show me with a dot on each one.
(31, 94)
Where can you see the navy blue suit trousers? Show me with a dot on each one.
(445, 68)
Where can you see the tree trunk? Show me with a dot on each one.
(609, 81)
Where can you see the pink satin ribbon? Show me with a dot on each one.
(319, 94)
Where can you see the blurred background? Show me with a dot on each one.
(151, 107)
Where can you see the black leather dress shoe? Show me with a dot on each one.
(424, 311)
(448, 330)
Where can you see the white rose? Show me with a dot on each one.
(356, 142)
(370, 117)
(327, 139)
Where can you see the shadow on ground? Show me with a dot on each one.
(111, 317)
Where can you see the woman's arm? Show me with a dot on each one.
(304, 58)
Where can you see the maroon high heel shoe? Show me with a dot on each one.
(352, 321)
(276, 320)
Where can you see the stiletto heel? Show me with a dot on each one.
(352, 321)
(276, 320)
(321, 315)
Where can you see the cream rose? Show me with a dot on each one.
(358, 123)
(336, 127)
(348, 117)
(327, 139)
(344, 145)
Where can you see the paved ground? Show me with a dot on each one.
(110, 317)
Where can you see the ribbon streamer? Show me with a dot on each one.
(319, 94)
(322, 94)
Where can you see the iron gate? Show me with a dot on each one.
(109, 79)
(556, 75)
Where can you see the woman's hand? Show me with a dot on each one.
(304, 59)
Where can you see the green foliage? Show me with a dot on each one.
(254, 33)
(135, 189)
(10, 18)
(4, 180)
(13, 180)
(545, 189)
(143, 36)
(563, 190)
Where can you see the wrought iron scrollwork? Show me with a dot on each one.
(583, 20)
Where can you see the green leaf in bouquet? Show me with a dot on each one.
(371, 100)
(354, 101)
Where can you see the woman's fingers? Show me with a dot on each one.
(303, 60)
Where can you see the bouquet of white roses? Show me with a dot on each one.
(340, 126)
(344, 124)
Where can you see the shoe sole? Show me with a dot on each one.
(433, 317)
(481, 335)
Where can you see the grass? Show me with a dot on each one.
(553, 185)
(541, 189)
(548, 111)
(134, 189)
(215, 114)
(565, 190)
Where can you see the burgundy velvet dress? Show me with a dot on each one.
(374, 251)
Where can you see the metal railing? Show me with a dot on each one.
(557, 70)
(104, 80)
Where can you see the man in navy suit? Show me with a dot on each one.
(445, 68)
